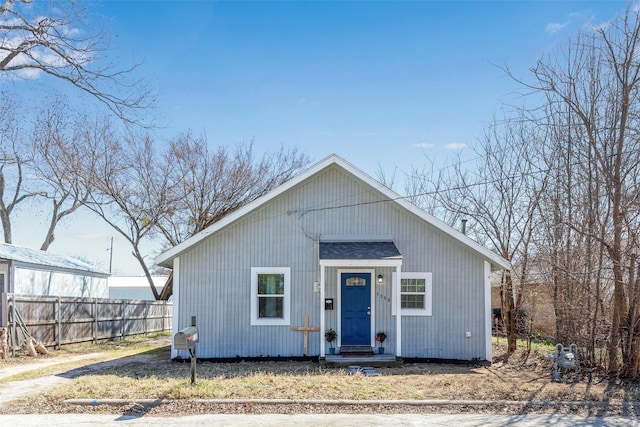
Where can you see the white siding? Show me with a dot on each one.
(57, 283)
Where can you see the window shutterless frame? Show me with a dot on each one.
(414, 294)
(270, 295)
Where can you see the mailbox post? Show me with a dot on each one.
(187, 339)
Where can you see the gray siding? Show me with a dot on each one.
(215, 274)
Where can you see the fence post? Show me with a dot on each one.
(146, 317)
(4, 310)
(95, 321)
(58, 324)
(123, 319)
(164, 316)
(14, 330)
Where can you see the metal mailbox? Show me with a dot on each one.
(186, 338)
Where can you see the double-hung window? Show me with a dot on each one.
(415, 294)
(270, 290)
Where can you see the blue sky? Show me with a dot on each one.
(379, 83)
(376, 82)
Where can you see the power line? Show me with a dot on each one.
(518, 176)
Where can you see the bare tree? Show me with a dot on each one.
(14, 159)
(571, 260)
(592, 92)
(40, 161)
(426, 182)
(58, 151)
(500, 196)
(54, 39)
(205, 186)
(129, 186)
(58, 43)
(209, 185)
(143, 190)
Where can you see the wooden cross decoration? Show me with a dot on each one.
(306, 329)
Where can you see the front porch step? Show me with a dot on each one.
(356, 350)
(375, 360)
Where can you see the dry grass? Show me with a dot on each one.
(75, 356)
(519, 378)
(522, 377)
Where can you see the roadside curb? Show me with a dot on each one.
(555, 403)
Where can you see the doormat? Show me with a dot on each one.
(369, 371)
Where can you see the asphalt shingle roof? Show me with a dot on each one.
(359, 250)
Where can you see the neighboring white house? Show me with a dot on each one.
(337, 247)
(27, 271)
(134, 287)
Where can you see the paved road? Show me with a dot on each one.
(337, 420)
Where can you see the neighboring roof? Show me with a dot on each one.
(46, 259)
(359, 250)
(166, 257)
(136, 281)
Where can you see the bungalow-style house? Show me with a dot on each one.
(333, 248)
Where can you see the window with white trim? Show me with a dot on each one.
(270, 290)
(415, 294)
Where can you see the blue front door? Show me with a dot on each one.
(356, 308)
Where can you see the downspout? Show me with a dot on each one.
(398, 303)
(322, 293)
(487, 311)
(322, 311)
(175, 321)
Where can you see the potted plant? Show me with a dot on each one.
(330, 335)
(380, 337)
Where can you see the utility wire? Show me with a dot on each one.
(517, 176)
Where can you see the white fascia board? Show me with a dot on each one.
(55, 269)
(360, 262)
(356, 238)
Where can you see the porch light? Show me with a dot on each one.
(380, 277)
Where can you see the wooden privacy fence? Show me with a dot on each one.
(56, 321)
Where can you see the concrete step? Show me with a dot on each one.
(375, 360)
(356, 350)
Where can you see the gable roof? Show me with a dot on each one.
(42, 259)
(165, 258)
